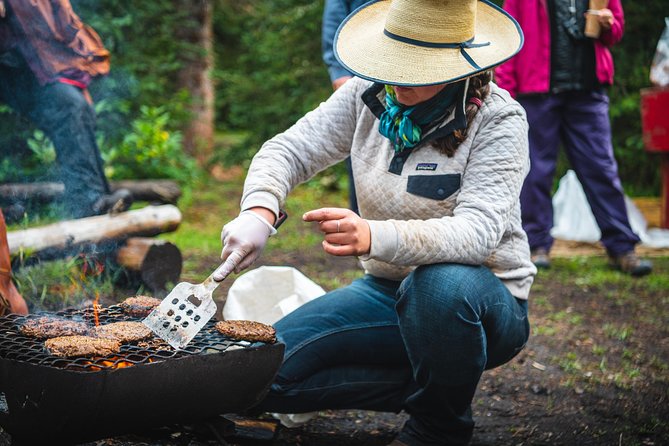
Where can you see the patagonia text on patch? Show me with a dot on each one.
(426, 166)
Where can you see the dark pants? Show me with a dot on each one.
(580, 120)
(420, 345)
(64, 115)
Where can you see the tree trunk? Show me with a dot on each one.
(195, 76)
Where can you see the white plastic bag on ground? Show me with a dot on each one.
(266, 294)
(573, 218)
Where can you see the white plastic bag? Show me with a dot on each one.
(266, 294)
(659, 69)
(573, 218)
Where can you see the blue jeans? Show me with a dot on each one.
(418, 345)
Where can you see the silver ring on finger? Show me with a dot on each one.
(337, 225)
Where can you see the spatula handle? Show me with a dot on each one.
(223, 270)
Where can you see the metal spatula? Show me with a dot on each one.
(183, 313)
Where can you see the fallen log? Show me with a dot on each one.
(65, 235)
(161, 191)
(41, 192)
(157, 191)
(155, 262)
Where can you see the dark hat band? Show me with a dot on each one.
(463, 46)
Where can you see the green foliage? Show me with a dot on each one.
(145, 65)
(644, 22)
(14, 132)
(150, 150)
(269, 67)
(42, 148)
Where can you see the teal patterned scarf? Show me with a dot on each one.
(404, 126)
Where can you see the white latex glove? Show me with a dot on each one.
(243, 241)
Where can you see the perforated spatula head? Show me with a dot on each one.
(183, 313)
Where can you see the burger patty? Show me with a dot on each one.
(81, 346)
(155, 343)
(247, 331)
(139, 306)
(123, 332)
(52, 327)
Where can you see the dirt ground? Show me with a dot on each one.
(595, 370)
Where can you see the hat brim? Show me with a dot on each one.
(362, 47)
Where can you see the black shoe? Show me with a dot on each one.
(541, 258)
(118, 201)
(631, 264)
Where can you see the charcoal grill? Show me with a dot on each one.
(45, 399)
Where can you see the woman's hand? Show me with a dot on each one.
(605, 18)
(244, 239)
(346, 234)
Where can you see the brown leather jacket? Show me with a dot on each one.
(53, 38)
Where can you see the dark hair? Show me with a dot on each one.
(478, 88)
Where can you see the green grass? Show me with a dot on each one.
(58, 284)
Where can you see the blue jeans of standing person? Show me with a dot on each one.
(418, 345)
(580, 120)
(63, 114)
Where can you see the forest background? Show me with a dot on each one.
(246, 70)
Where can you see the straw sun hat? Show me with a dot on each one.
(426, 42)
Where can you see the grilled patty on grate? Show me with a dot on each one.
(139, 306)
(123, 332)
(247, 331)
(81, 346)
(52, 327)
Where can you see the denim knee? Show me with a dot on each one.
(442, 287)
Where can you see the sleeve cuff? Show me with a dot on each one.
(263, 200)
(384, 241)
(272, 229)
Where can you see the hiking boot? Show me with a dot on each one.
(540, 258)
(631, 264)
(118, 201)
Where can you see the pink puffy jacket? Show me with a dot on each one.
(529, 71)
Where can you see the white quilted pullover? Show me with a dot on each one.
(430, 209)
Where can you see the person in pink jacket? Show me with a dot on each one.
(560, 77)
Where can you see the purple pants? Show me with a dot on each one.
(580, 121)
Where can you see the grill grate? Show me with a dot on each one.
(18, 347)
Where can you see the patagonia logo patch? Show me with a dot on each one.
(426, 166)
